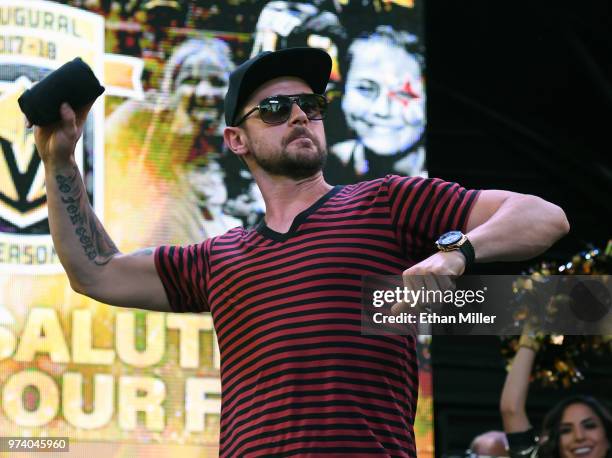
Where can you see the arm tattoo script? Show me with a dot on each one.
(96, 243)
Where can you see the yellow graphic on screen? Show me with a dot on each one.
(18, 141)
(37, 37)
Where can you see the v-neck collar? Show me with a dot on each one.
(264, 230)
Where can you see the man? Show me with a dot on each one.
(298, 377)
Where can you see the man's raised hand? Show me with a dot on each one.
(56, 142)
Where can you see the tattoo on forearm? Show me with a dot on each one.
(96, 243)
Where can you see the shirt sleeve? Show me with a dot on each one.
(184, 272)
(422, 209)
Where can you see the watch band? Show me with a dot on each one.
(463, 245)
(467, 250)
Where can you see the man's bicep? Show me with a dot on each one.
(486, 204)
(131, 280)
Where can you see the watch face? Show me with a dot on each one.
(449, 238)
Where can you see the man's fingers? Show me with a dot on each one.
(398, 307)
(422, 286)
(68, 115)
(81, 113)
(430, 282)
(445, 282)
(411, 283)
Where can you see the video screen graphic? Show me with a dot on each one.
(157, 172)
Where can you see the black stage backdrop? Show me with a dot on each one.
(519, 98)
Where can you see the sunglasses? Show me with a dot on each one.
(277, 109)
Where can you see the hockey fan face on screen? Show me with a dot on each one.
(198, 79)
(384, 100)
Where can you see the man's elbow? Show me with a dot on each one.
(560, 226)
(82, 284)
(549, 224)
(551, 220)
(78, 287)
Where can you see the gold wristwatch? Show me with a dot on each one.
(456, 240)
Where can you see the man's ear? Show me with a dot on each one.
(236, 141)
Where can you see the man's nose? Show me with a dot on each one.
(297, 115)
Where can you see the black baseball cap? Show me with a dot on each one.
(313, 65)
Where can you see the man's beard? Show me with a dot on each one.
(294, 166)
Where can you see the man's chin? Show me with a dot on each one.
(299, 170)
(304, 167)
(295, 162)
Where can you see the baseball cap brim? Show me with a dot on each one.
(313, 65)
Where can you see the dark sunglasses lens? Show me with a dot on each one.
(315, 106)
(275, 110)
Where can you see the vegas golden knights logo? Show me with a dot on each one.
(22, 195)
(35, 38)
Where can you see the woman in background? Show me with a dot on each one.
(577, 427)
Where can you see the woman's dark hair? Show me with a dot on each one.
(552, 421)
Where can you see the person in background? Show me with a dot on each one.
(166, 144)
(209, 183)
(196, 79)
(577, 427)
(384, 105)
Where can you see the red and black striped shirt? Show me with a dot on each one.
(298, 378)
